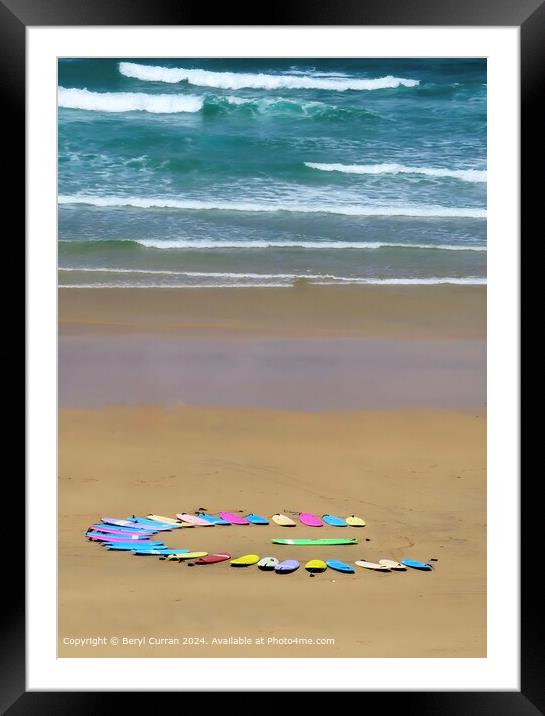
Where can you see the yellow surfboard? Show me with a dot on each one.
(186, 555)
(246, 560)
(354, 521)
(316, 565)
(166, 520)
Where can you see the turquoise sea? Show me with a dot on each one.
(244, 172)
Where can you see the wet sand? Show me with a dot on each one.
(415, 472)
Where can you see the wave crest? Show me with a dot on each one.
(128, 101)
(83, 99)
(253, 244)
(236, 80)
(469, 175)
(255, 206)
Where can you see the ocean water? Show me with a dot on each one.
(246, 172)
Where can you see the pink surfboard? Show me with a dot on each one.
(310, 520)
(107, 538)
(234, 519)
(194, 520)
(120, 533)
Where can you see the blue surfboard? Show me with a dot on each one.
(334, 521)
(339, 566)
(415, 564)
(121, 530)
(213, 519)
(257, 519)
(104, 536)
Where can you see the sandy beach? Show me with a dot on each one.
(366, 400)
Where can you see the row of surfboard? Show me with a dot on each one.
(314, 566)
(202, 519)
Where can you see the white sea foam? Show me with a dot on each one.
(278, 104)
(173, 285)
(255, 206)
(266, 244)
(211, 274)
(260, 278)
(128, 101)
(432, 281)
(237, 80)
(469, 175)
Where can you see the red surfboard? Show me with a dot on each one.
(212, 558)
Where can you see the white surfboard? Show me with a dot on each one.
(392, 564)
(268, 563)
(372, 565)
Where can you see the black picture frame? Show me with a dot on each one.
(529, 16)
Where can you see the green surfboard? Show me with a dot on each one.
(315, 542)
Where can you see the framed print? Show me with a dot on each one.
(272, 368)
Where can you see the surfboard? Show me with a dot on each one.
(121, 523)
(267, 564)
(164, 520)
(392, 564)
(149, 527)
(283, 521)
(315, 542)
(158, 552)
(119, 532)
(214, 519)
(289, 565)
(372, 565)
(234, 519)
(340, 566)
(186, 555)
(354, 521)
(101, 537)
(316, 566)
(147, 524)
(194, 520)
(245, 561)
(334, 521)
(133, 548)
(213, 558)
(137, 544)
(118, 528)
(415, 564)
(310, 520)
(257, 519)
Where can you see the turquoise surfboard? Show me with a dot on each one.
(415, 564)
(339, 566)
(334, 521)
(213, 519)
